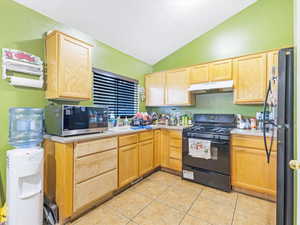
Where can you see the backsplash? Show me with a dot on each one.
(213, 103)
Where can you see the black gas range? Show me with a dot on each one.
(213, 167)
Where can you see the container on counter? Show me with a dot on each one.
(111, 121)
(253, 123)
(239, 121)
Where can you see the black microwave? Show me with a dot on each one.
(68, 120)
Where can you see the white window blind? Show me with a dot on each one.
(117, 92)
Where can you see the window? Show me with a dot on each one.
(119, 93)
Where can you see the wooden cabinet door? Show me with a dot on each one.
(157, 148)
(221, 70)
(250, 79)
(251, 171)
(75, 69)
(199, 74)
(171, 149)
(128, 164)
(155, 89)
(146, 157)
(164, 153)
(177, 84)
(175, 150)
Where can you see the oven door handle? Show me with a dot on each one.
(219, 143)
(213, 142)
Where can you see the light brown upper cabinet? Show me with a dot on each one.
(250, 79)
(199, 74)
(176, 87)
(155, 89)
(69, 68)
(220, 70)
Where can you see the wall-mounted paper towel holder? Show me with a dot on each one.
(19, 61)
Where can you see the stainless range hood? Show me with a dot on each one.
(219, 86)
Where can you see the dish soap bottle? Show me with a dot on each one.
(111, 121)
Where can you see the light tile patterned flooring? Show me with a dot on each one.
(165, 199)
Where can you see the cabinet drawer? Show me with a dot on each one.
(146, 135)
(175, 153)
(174, 142)
(175, 164)
(174, 134)
(128, 139)
(95, 164)
(256, 142)
(90, 147)
(93, 189)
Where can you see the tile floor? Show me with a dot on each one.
(165, 199)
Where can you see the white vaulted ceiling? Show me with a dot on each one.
(148, 30)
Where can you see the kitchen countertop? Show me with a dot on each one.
(250, 132)
(117, 131)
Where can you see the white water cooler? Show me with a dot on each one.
(25, 186)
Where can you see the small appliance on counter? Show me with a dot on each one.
(25, 167)
(68, 120)
(206, 150)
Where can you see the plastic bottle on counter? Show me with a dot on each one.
(239, 121)
(253, 123)
(118, 122)
(111, 121)
(126, 122)
(190, 120)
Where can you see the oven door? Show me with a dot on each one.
(219, 161)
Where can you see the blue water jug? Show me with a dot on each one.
(25, 127)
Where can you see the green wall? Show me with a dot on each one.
(212, 103)
(267, 24)
(23, 28)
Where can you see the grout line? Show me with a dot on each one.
(139, 212)
(186, 213)
(237, 197)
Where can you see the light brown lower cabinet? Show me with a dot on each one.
(128, 164)
(78, 175)
(171, 153)
(95, 171)
(250, 170)
(157, 147)
(146, 157)
(136, 156)
(93, 189)
(95, 164)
